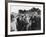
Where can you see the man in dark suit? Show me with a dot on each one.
(34, 24)
(21, 24)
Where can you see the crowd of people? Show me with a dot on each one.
(26, 22)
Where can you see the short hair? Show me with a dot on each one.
(36, 10)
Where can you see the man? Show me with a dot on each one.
(13, 23)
